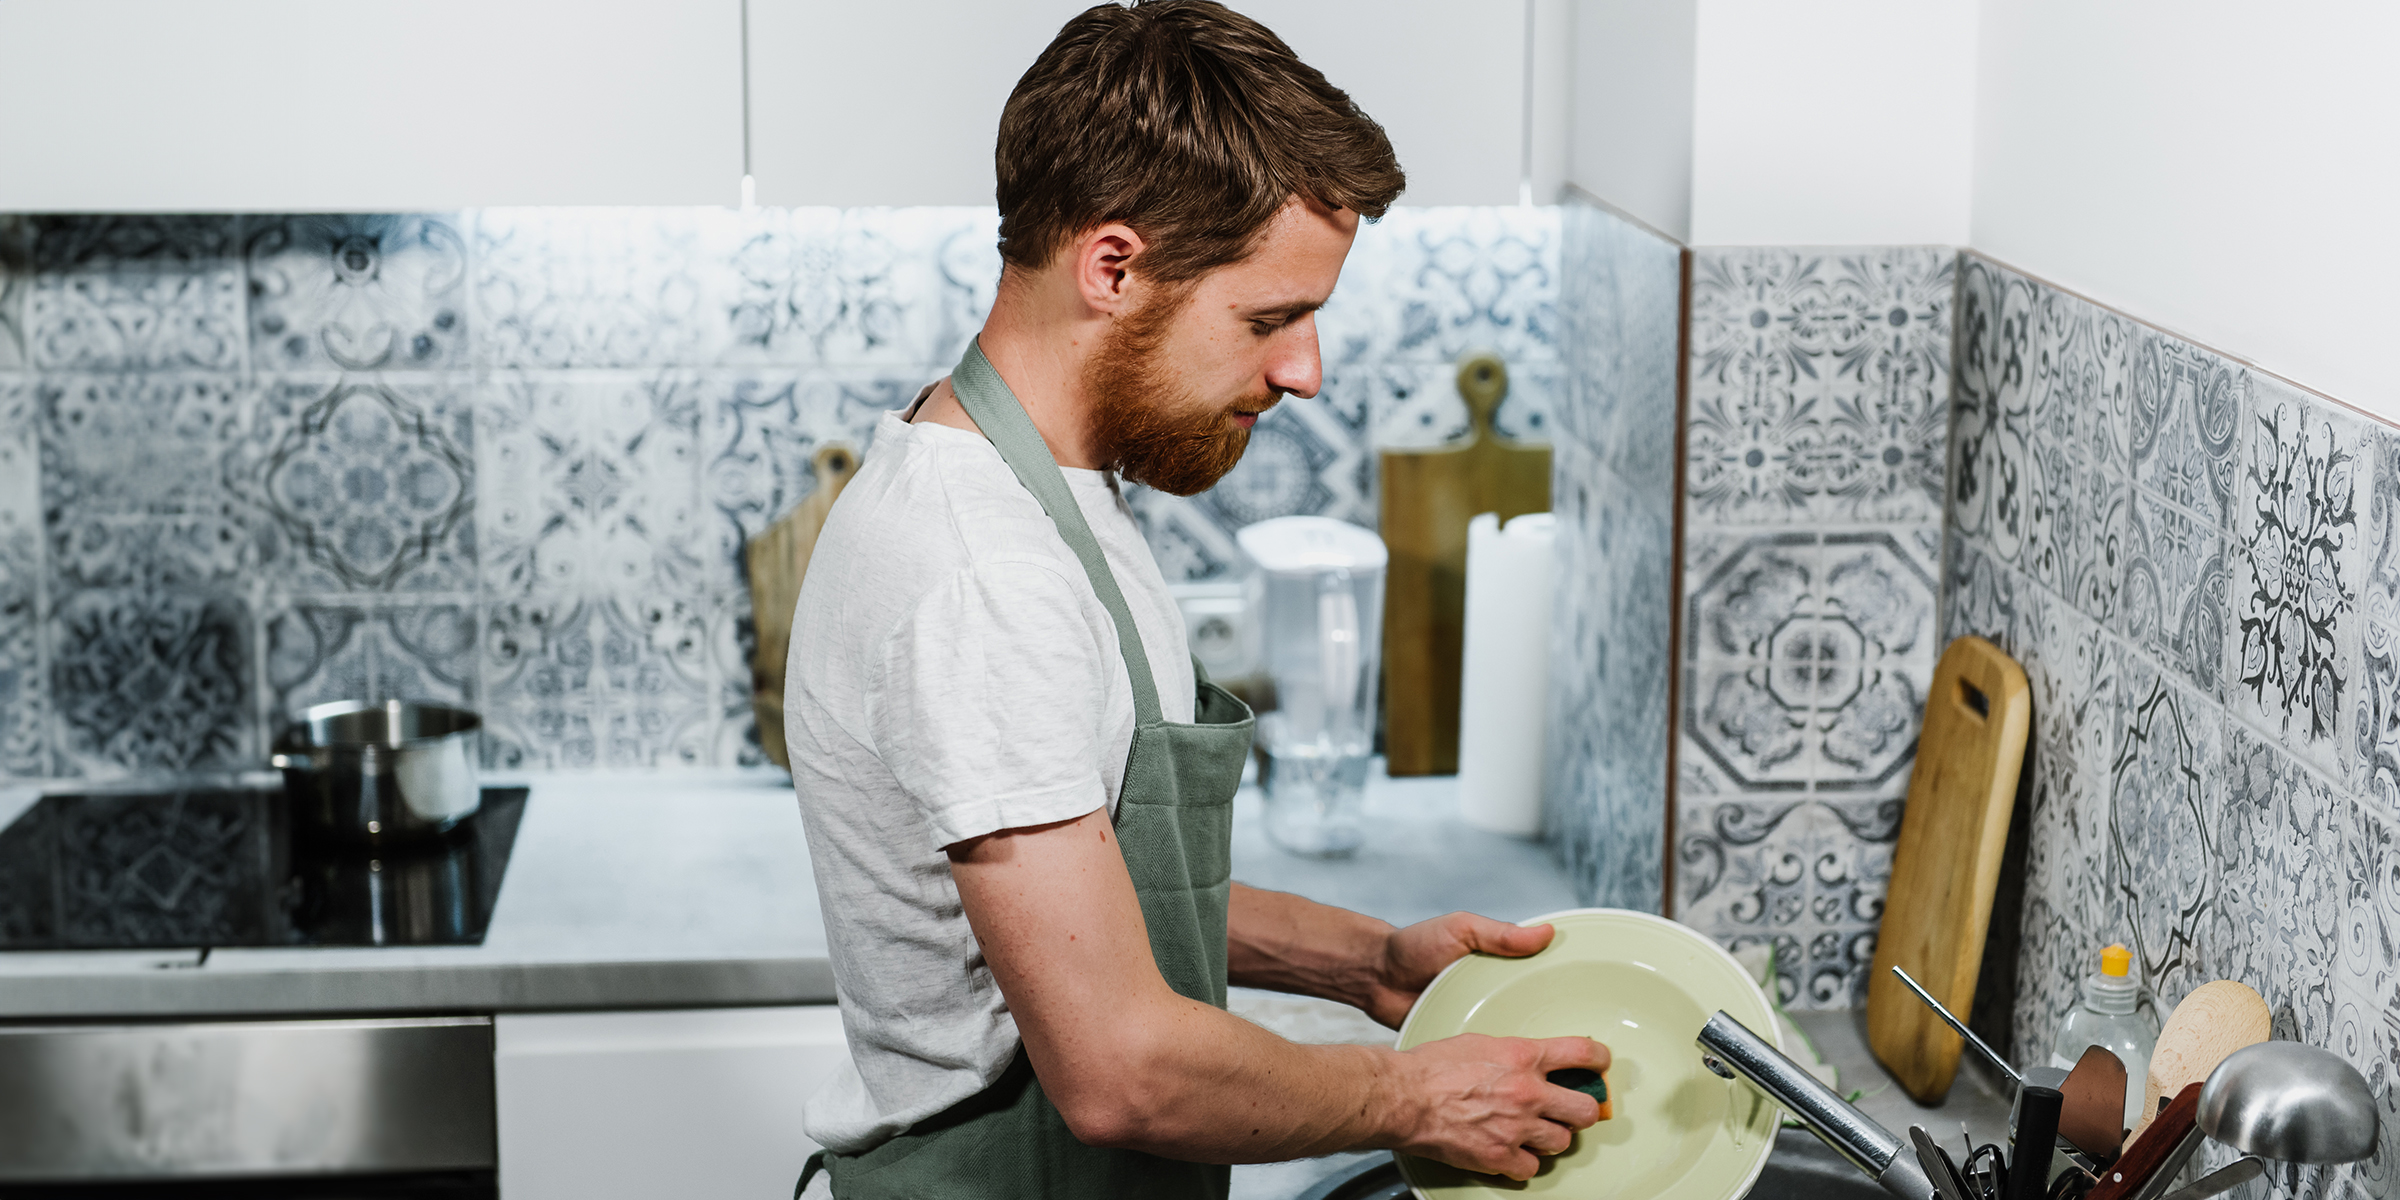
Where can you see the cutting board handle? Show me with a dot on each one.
(1483, 384)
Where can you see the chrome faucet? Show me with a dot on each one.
(1731, 1050)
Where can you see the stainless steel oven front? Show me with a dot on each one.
(386, 1107)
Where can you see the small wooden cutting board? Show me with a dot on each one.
(778, 561)
(1947, 863)
(1429, 496)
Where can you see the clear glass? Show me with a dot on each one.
(1321, 639)
(2130, 1035)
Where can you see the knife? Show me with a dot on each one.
(1938, 1166)
(2223, 1179)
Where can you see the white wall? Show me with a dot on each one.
(857, 103)
(1838, 122)
(375, 105)
(2227, 170)
(1445, 77)
(1629, 136)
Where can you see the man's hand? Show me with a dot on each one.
(1486, 1106)
(1413, 956)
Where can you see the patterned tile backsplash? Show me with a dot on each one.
(507, 458)
(1612, 489)
(1819, 400)
(2192, 560)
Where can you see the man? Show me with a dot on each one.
(1018, 797)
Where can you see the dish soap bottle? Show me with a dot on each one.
(2111, 1016)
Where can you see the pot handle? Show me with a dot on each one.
(292, 762)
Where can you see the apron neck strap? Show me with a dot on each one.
(1000, 416)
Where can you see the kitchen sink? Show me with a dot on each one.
(1802, 1168)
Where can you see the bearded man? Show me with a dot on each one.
(1018, 795)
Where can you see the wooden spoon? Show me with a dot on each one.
(2214, 1021)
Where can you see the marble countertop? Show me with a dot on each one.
(693, 889)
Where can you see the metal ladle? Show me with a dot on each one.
(2290, 1102)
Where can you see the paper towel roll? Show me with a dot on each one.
(1504, 695)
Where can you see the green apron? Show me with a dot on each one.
(1174, 824)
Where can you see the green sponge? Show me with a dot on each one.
(1589, 1082)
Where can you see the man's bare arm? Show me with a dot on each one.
(1130, 1063)
(1288, 943)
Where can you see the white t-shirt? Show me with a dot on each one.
(952, 673)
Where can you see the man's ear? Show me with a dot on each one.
(1101, 258)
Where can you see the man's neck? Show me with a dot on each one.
(1039, 343)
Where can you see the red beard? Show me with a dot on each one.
(1156, 433)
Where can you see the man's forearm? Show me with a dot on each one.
(1201, 1085)
(1287, 943)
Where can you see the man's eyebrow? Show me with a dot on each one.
(1286, 311)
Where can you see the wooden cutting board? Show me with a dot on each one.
(1947, 863)
(778, 559)
(1428, 498)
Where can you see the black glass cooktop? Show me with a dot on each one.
(221, 867)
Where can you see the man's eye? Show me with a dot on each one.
(1263, 328)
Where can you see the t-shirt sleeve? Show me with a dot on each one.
(988, 709)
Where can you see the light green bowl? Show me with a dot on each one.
(1644, 986)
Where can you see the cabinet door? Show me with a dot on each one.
(900, 103)
(645, 1105)
(375, 105)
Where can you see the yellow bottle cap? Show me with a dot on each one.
(2116, 961)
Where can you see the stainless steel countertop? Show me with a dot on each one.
(692, 889)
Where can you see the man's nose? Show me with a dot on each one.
(1293, 365)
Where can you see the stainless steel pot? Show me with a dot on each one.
(380, 774)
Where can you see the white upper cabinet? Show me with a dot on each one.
(855, 103)
(370, 105)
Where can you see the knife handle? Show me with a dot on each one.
(2150, 1151)
(2037, 1136)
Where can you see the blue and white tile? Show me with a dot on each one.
(2052, 958)
(370, 482)
(2082, 387)
(2293, 635)
(317, 653)
(150, 443)
(861, 286)
(2089, 540)
(1994, 342)
(611, 681)
(1609, 680)
(1819, 385)
(1742, 865)
(1752, 724)
(2165, 794)
(135, 293)
(1430, 284)
(2381, 524)
(2376, 773)
(2379, 1175)
(357, 292)
(2177, 586)
(1416, 405)
(1743, 588)
(2187, 419)
(24, 686)
(1979, 596)
(150, 679)
(648, 287)
(2368, 909)
(591, 487)
(15, 280)
(761, 432)
(1620, 296)
(1873, 659)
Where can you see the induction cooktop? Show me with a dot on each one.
(211, 867)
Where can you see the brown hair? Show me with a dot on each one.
(1186, 121)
